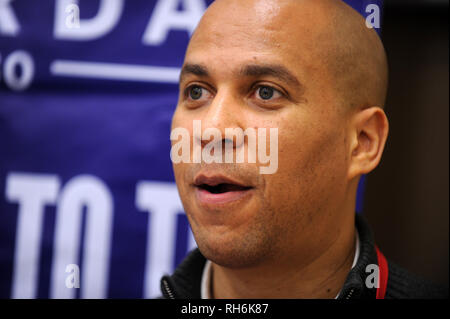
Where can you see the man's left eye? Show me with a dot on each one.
(267, 92)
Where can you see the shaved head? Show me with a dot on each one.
(354, 55)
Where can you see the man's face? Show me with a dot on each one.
(260, 70)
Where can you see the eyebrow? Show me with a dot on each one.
(194, 69)
(250, 70)
(274, 70)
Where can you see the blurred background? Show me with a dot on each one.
(86, 183)
(407, 196)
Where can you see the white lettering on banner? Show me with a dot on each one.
(13, 80)
(90, 192)
(114, 71)
(191, 243)
(166, 17)
(163, 203)
(108, 15)
(9, 26)
(32, 192)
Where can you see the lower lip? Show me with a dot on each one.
(222, 198)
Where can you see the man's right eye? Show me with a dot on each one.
(195, 92)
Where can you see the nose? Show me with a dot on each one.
(224, 112)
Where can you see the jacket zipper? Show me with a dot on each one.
(349, 295)
(167, 289)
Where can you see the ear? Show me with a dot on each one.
(368, 130)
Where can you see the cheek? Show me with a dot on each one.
(179, 119)
(311, 164)
(178, 171)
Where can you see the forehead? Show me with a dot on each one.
(235, 33)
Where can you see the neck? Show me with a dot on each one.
(322, 277)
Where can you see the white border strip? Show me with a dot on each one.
(114, 71)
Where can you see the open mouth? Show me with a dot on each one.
(222, 188)
(218, 189)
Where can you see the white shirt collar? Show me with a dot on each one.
(206, 280)
(206, 275)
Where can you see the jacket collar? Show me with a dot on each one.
(355, 284)
(185, 283)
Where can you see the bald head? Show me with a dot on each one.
(328, 38)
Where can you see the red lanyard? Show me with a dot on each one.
(383, 274)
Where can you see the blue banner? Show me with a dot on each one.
(87, 92)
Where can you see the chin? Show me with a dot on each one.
(233, 251)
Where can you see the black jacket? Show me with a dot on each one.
(185, 281)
